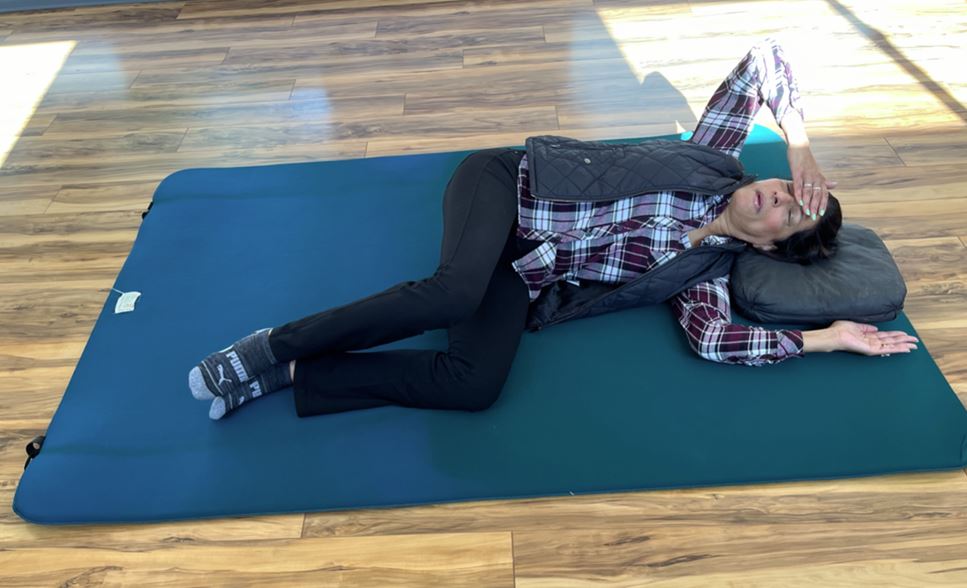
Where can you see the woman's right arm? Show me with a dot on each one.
(762, 76)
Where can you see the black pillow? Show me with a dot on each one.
(860, 282)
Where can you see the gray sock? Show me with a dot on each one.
(273, 380)
(239, 362)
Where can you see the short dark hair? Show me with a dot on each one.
(813, 244)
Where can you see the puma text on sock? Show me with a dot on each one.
(275, 379)
(239, 362)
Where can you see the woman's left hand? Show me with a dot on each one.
(869, 340)
(810, 186)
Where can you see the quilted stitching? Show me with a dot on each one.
(566, 168)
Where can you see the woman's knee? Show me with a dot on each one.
(498, 159)
(485, 155)
(479, 397)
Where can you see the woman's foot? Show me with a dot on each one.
(273, 380)
(239, 362)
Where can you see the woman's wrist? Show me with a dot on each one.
(794, 128)
(819, 340)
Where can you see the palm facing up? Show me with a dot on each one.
(868, 340)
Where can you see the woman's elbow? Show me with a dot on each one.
(703, 348)
(708, 351)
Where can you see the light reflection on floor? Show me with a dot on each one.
(26, 72)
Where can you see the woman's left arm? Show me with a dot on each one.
(704, 313)
(810, 186)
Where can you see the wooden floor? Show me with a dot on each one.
(99, 104)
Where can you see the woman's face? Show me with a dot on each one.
(766, 211)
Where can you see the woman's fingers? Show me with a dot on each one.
(812, 196)
(886, 342)
(797, 186)
(894, 336)
(904, 348)
(887, 350)
(877, 343)
(817, 200)
(883, 343)
(880, 347)
(817, 195)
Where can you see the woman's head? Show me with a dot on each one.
(766, 215)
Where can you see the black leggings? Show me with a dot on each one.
(474, 293)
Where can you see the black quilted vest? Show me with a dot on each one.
(562, 168)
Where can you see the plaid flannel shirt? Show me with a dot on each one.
(619, 240)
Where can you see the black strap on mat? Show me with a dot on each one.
(33, 448)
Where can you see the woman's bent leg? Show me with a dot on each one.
(479, 209)
(468, 376)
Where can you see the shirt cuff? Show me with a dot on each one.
(790, 343)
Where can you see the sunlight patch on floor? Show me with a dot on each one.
(26, 72)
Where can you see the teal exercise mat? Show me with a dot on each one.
(611, 403)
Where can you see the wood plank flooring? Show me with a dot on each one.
(149, 89)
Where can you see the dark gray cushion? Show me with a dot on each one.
(861, 282)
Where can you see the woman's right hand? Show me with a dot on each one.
(868, 340)
(809, 184)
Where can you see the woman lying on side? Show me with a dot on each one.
(501, 247)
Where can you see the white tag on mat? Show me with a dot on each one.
(126, 302)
